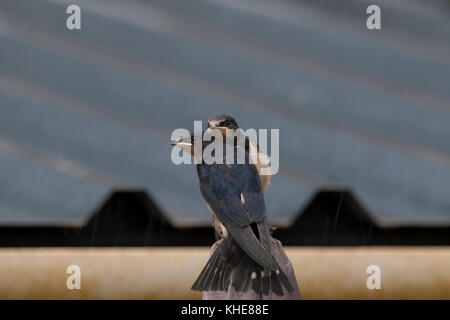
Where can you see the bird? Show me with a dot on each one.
(223, 122)
(244, 257)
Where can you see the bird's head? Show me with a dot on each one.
(223, 122)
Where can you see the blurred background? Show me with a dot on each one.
(86, 117)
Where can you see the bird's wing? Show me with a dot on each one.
(238, 187)
(222, 195)
(253, 200)
(242, 235)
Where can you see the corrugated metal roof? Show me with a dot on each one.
(85, 113)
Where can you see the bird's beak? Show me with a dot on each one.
(184, 143)
(176, 142)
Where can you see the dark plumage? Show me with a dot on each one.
(229, 259)
(234, 194)
(224, 122)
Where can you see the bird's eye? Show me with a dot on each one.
(225, 123)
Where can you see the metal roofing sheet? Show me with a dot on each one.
(357, 110)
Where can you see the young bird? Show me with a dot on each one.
(244, 257)
(224, 122)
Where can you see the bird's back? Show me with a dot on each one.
(234, 182)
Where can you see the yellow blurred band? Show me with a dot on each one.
(168, 273)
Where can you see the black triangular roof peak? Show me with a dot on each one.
(334, 205)
(130, 209)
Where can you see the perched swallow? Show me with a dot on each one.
(244, 256)
(224, 122)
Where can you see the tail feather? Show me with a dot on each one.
(223, 283)
(275, 285)
(266, 285)
(216, 278)
(238, 279)
(256, 281)
(247, 279)
(202, 282)
(239, 270)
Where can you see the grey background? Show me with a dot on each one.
(86, 113)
